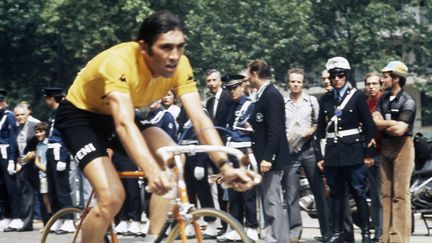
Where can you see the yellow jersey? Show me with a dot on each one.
(122, 68)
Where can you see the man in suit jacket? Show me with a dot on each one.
(216, 105)
(270, 147)
(27, 175)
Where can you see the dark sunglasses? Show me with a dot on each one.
(231, 87)
(339, 75)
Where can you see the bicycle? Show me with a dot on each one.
(182, 212)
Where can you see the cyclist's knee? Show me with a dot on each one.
(111, 201)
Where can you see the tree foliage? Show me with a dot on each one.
(46, 42)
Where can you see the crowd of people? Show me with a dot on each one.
(349, 143)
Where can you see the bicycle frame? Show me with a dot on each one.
(182, 207)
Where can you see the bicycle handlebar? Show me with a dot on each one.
(167, 152)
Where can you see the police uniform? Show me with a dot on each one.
(9, 194)
(59, 189)
(165, 120)
(238, 113)
(346, 124)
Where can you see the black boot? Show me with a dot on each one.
(337, 237)
(337, 213)
(363, 212)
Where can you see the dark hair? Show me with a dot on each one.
(261, 68)
(157, 23)
(402, 79)
(42, 126)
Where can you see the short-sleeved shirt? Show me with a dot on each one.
(41, 149)
(401, 108)
(122, 68)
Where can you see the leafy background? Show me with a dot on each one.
(45, 43)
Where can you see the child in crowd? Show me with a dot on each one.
(40, 162)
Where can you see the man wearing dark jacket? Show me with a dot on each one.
(270, 147)
(346, 123)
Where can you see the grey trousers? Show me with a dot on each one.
(305, 159)
(275, 219)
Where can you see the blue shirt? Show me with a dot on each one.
(41, 149)
(238, 114)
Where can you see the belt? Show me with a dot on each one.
(343, 133)
(239, 144)
(4, 145)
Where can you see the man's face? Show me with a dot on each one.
(373, 86)
(295, 82)
(325, 77)
(213, 82)
(236, 91)
(253, 80)
(165, 53)
(387, 81)
(338, 80)
(21, 115)
(50, 102)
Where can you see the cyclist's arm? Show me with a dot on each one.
(129, 134)
(192, 104)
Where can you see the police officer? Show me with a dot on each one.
(346, 123)
(58, 162)
(160, 117)
(9, 194)
(241, 204)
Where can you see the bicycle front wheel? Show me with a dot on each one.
(211, 212)
(49, 236)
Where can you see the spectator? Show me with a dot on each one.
(394, 117)
(242, 205)
(30, 118)
(41, 133)
(27, 176)
(169, 103)
(346, 123)
(9, 193)
(373, 90)
(270, 148)
(325, 77)
(58, 165)
(301, 116)
(216, 108)
(162, 118)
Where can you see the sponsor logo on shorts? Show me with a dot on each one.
(84, 151)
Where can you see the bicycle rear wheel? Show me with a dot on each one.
(210, 212)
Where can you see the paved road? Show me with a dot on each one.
(310, 230)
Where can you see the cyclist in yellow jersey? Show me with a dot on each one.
(102, 100)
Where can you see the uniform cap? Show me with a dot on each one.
(396, 67)
(3, 94)
(53, 91)
(232, 79)
(337, 64)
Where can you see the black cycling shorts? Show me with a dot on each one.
(87, 135)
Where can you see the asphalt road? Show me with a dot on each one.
(310, 230)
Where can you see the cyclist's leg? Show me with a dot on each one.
(110, 195)
(159, 206)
